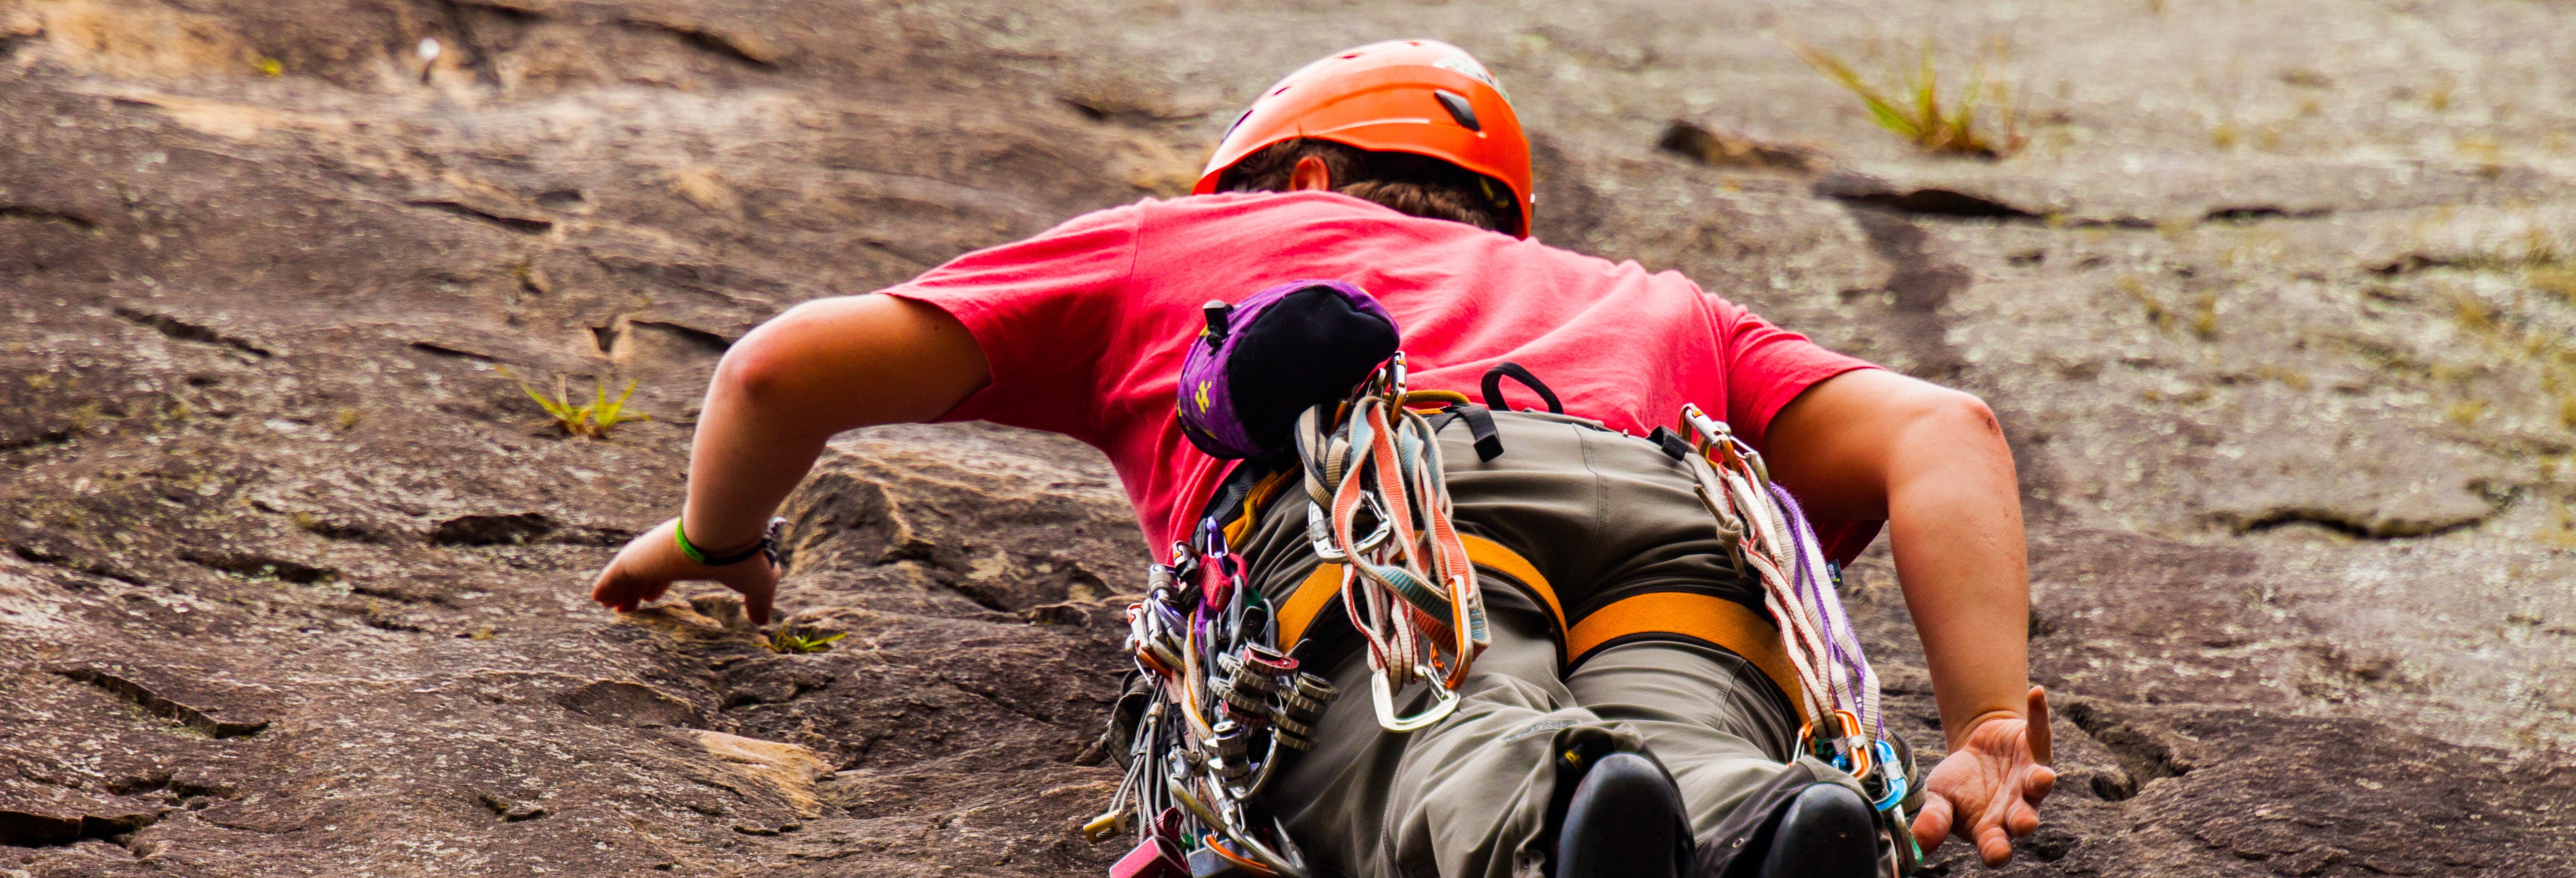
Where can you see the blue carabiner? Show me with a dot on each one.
(1887, 768)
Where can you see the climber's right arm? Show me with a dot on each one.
(788, 386)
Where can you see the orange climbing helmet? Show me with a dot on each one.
(1419, 96)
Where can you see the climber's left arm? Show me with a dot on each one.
(1931, 461)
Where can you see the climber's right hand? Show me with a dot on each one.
(645, 569)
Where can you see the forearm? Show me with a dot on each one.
(788, 386)
(1954, 521)
(748, 455)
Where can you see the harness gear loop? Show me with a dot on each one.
(1517, 372)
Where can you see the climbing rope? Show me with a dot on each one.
(1407, 584)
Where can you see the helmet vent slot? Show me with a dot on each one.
(1458, 108)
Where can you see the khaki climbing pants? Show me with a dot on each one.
(1601, 515)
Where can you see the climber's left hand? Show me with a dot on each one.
(1988, 789)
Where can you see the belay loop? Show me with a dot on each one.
(1840, 692)
(1407, 584)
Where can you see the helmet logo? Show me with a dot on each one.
(1465, 65)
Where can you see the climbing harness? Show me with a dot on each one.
(1839, 693)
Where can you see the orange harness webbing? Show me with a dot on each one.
(1716, 620)
(1725, 623)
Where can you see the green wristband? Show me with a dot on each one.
(680, 531)
(766, 545)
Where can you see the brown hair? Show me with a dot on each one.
(1415, 184)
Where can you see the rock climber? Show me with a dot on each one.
(1401, 168)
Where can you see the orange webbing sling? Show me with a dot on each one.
(1725, 623)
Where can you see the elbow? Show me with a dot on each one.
(759, 369)
(746, 376)
(1956, 416)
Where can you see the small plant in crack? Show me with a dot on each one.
(797, 640)
(1913, 110)
(592, 419)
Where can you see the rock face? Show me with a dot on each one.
(2276, 307)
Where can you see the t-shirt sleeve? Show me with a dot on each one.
(1042, 310)
(1766, 367)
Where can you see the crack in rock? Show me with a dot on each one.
(1860, 189)
(200, 716)
(491, 530)
(255, 566)
(42, 215)
(1726, 150)
(2350, 524)
(1918, 285)
(509, 811)
(24, 828)
(2143, 756)
(186, 331)
(522, 225)
(746, 48)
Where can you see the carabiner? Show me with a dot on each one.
(1319, 531)
(1893, 774)
(1384, 696)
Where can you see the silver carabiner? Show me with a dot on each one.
(1384, 696)
(1319, 530)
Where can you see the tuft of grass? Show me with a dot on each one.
(1913, 110)
(2290, 378)
(2557, 280)
(2157, 314)
(592, 419)
(799, 641)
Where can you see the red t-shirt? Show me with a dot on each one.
(1086, 326)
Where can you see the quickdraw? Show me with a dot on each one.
(1840, 691)
(1407, 583)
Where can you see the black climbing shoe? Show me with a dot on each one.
(1827, 832)
(1624, 820)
